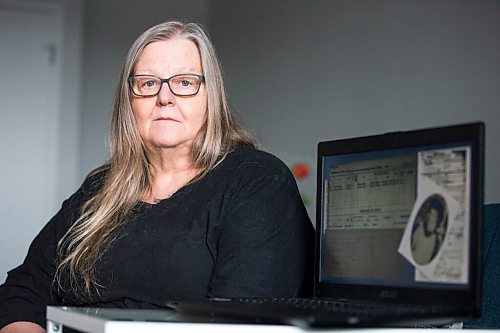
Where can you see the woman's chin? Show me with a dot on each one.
(171, 144)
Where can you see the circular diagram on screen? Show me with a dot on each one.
(429, 229)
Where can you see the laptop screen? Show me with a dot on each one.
(397, 212)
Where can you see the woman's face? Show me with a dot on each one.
(432, 220)
(166, 120)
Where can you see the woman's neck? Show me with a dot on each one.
(171, 170)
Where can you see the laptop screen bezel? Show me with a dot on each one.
(466, 298)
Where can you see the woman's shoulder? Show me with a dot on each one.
(94, 180)
(246, 153)
(256, 161)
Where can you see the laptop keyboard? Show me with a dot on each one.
(341, 307)
(313, 312)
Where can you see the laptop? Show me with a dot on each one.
(398, 233)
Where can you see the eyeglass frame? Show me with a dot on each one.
(167, 81)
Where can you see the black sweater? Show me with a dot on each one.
(240, 231)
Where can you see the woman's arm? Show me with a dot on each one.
(22, 327)
(29, 288)
(266, 237)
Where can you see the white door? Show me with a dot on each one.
(28, 125)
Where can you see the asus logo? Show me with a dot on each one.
(388, 294)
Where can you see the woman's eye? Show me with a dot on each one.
(149, 84)
(185, 83)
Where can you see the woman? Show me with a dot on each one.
(187, 207)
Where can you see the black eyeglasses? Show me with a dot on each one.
(179, 85)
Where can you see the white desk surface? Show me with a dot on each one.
(92, 320)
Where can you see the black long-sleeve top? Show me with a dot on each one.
(241, 231)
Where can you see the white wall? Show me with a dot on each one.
(301, 72)
(41, 48)
(70, 99)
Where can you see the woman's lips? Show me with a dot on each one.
(166, 118)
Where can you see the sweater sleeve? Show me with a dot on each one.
(266, 237)
(28, 288)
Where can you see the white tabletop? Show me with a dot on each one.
(94, 320)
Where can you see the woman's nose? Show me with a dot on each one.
(165, 95)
